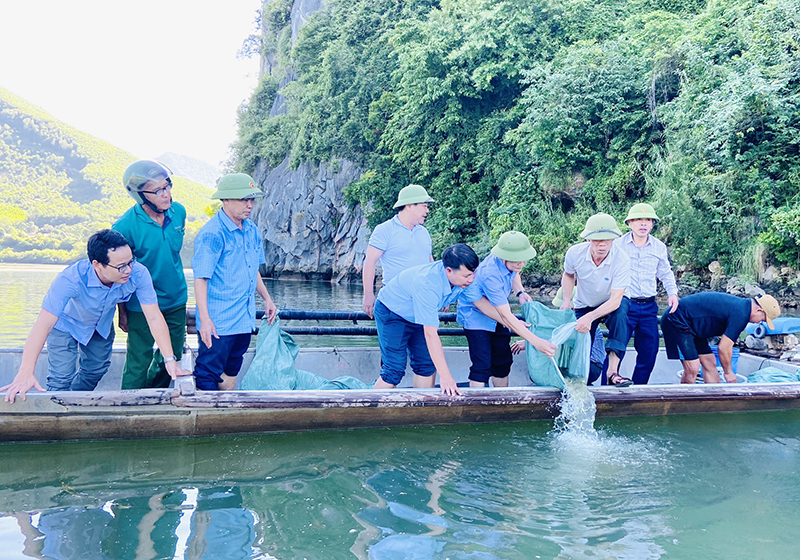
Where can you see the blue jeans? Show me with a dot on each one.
(64, 353)
(399, 338)
(226, 355)
(617, 323)
(490, 353)
(643, 327)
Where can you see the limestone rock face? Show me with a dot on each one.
(307, 226)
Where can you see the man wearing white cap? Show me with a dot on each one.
(399, 244)
(602, 273)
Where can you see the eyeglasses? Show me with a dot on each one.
(162, 190)
(123, 267)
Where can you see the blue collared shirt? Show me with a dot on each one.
(228, 257)
(83, 304)
(417, 294)
(493, 280)
(402, 248)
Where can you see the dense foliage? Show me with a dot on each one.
(534, 114)
(59, 185)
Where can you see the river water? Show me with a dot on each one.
(711, 487)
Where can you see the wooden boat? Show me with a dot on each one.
(109, 413)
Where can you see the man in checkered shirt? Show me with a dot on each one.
(649, 263)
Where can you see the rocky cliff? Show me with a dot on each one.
(307, 226)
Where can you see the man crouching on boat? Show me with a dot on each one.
(77, 318)
(227, 254)
(407, 317)
(701, 316)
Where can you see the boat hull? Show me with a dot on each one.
(162, 413)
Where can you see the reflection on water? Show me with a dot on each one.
(724, 486)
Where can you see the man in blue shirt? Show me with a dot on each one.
(701, 316)
(227, 255)
(488, 340)
(407, 317)
(399, 244)
(77, 318)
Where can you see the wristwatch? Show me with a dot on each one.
(170, 359)
(519, 293)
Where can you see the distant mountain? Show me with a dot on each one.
(194, 169)
(58, 185)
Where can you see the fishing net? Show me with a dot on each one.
(273, 366)
(574, 348)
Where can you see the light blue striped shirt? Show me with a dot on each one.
(648, 263)
(83, 304)
(493, 280)
(228, 257)
(417, 294)
(402, 248)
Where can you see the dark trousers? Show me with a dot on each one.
(490, 352)
(226, 355)
(643, 327)
(617, 323)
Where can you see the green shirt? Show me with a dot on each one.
(158, 248)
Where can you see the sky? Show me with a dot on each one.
(147, 76)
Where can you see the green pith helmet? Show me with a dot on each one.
(601, 226)
(140, 173)
(641, 210)
(236, 186)
(559, 299)
(412, 194)
(514, 246)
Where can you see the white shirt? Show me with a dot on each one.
(648, 263)
(594, 283)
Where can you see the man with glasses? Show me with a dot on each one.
(154, 228)
(77, 318)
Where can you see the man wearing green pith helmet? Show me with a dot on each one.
(399, 244)
(227, 255)
(489, 341)
(602, 274)
(649, 263)
(154, 228)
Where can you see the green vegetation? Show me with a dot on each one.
(59, 185)
(534, 114)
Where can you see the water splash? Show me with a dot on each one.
(578, 410)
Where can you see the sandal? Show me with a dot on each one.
(618, 381)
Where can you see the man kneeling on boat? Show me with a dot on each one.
(77, 318)
(701, 316)
(407, 317)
